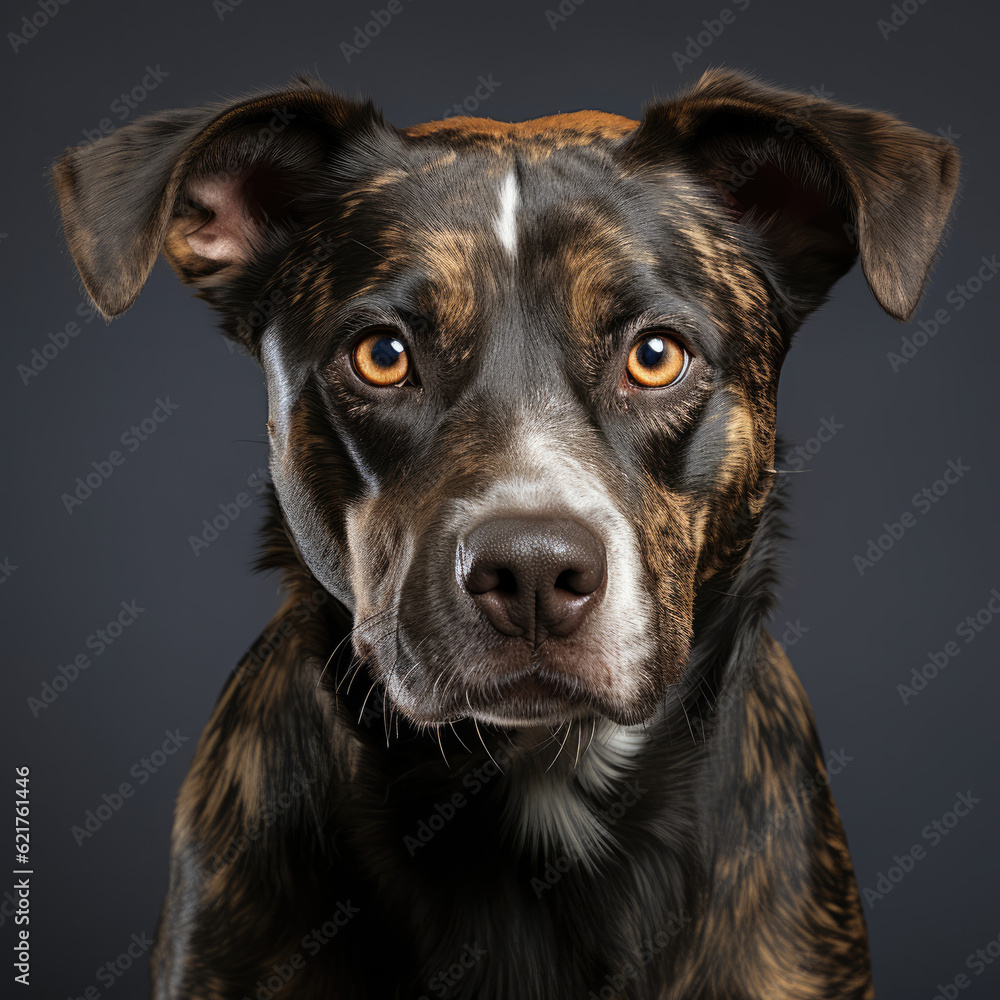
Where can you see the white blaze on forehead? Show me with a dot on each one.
(505, 223)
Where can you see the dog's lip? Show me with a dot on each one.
(533, 694)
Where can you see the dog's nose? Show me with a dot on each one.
(534, 578)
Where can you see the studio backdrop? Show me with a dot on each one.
(136, 452)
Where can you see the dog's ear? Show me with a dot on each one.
(820, 182)
(207, 186)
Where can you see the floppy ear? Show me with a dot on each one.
(821, 183)
(208, 185)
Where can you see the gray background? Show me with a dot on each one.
(852, 638)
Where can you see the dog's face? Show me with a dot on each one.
(521, 378)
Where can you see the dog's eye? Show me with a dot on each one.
(656, 361)
(381, 358)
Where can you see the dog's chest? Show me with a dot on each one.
(519, 870)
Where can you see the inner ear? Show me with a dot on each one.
(232, 201)
(786, 200)
(221, 224)
(797, 215)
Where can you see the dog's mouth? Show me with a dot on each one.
(524, 689)
(532, 697)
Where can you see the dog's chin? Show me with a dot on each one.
(529, 701)
(526, 701)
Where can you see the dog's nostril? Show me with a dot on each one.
(579, 581)
(484, 577)
(534, 577)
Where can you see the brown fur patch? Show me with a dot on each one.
(577, 128)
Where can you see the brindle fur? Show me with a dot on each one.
(726, 213)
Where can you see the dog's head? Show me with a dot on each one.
(521, 377)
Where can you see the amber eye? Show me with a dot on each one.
(657, 360)
(381, 358)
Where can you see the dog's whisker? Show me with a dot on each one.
(707, 691)
(376, 616)
(553, 736)
(680, 700)
(402, 680)
(437, 730)
(329, 660)
(357, 670)
(365, 245)
(358, 662)
(569, 727)
(579, 740)
(347, 671)
(451, 725)
(481, 740)
(365, 702)
(593, 731)
(342, 676)
(387, 720)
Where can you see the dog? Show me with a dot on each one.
(519, 730)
